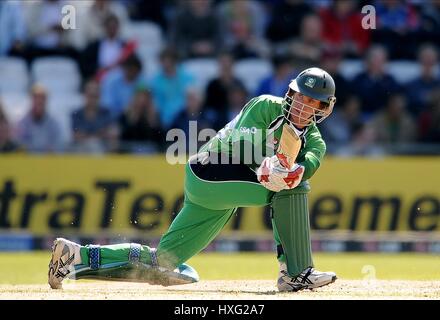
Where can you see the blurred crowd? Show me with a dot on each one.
(132, 89)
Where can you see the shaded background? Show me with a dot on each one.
(84, 114)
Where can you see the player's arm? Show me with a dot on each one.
(250, 129)
(274, 174)
(312, 153)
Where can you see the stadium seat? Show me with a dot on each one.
(15, 105)
(65, 104)
(61, 109)
(403, 71)
(150, 65)
(148, 35)
(58, 74)
(203, 70)
(251, 72)
(350, 68)
(14, 77)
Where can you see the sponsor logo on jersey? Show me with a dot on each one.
(247, 130)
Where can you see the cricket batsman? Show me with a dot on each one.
(265, 156)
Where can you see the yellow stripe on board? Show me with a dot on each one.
(129, 194)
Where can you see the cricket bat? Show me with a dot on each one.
(288, 149)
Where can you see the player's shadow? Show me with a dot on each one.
(230, 291)
(261, 293)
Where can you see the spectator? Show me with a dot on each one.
(284, 20)
(363, 144)
(12, 28)
(374, 85)
(139, 125)
(342, 28)
(193, 112)
(420, 89)
(46, 34)
(92, 126)
(429, 22)
(396, 22)
(140, 10)
(307, 49)
(339, 129)
(394, 124)
(218, 89)
(92, 24)
(396, 15)
(38, 131)
(6, 142)
(237, 98)
(429, 120)
(119, 85)
(279, 80)
(243, 24)
(169, 87)
(106, 52)
(331, 61)
(321, 4)
(195, 31)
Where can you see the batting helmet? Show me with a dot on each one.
(314, 83)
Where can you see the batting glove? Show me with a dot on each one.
(273, 176)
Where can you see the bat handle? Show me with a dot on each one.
(283, 160)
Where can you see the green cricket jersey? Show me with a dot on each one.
(210, 204)
(255, 133)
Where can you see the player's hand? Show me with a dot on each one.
(272, 175)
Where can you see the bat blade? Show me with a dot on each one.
(288, 149)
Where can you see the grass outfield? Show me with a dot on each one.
(31, 267)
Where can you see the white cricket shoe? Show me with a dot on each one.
(65, 254)
(308, 279)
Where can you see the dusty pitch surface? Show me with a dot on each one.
(261, 289)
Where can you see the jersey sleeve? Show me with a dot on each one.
(245, 135)
(312, 153)
(255, 115)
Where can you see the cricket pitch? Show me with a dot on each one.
(230, 290)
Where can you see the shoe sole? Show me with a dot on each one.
(334, 278)
(55, 276)
(303, 287)
(52, 280)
